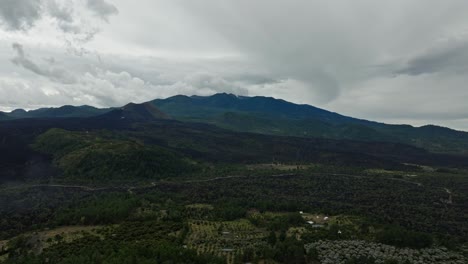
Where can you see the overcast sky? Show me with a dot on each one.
(399, 61)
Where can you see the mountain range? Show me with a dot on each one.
(264, 115)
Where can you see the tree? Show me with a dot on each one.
(272, 238)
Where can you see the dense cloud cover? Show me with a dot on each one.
(393, 61)
(20, 14)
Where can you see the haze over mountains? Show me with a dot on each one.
(264, 115)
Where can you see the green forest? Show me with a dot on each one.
(164, 191)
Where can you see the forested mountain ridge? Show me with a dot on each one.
(58, 112)
(107, 188)
(132, 111)
(4, 116)
(278, 117)
(266, 115)
(206, 106)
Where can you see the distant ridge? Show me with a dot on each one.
(136, 112)
(59, 112)
(264, 115)
(18, 113)
(268, 115)
(267, 106)
(4, 116)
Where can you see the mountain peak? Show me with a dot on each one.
(18, 111)
(219, 103)
(137, 112)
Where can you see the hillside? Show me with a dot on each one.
(278, 117)
(3, 116)
(59, 112)
(136, 112)
(263, 115)
(103, 143)
(97, 158)
(210, 106)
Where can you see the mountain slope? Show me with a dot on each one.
(4, 116)
(59, 112)
(92, 157)
(273, 116)
(136, 112)
(18, 113)
(96, 143)
(264, 115)
(208, 106)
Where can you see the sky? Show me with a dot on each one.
(399, 61)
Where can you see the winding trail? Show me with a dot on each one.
(82, 187)
(131, 189)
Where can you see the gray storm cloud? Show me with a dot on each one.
(449, 56)
(330, 45)
(21, 60)
(20, 14)
(102, 8)
(23, 14)
(51, 72)
(62, 13)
